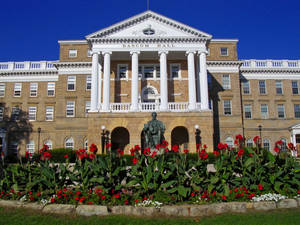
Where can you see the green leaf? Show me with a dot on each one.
(168, 184)
(99, 180)
(182, 191)
(249, 161)
(214, 179)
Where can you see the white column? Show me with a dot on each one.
(134, 80)
(106, 82)
(94, 88)
(99, 84)
(203, 81)
(192, 80)
(163, 81)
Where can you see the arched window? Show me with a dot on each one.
(249, 143)
(229, 142)
(69, 143)
(283, 146)
(49, 144)
(30, 147)
(149, 94)
(86, 145)
(267, 144)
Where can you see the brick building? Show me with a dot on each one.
(114, 78)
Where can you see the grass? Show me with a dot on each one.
(29, 217)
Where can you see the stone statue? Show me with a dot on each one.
(154, 132)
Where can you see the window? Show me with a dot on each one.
(86, 145)
(246, 87)
(297, 110)
(266, 144)
(278, 84)
(175, 71)
(49, 144)
(30, 147)
(33, 89)
(157, 71)
(69, 143)
(122, 71)
(227, 107)
(283, 146)
(88, 82)
(1, 113)
(32, 113)
(264, 111)
(280, 111)
(229, 142)
(70, 109)
(226, 81)
(249, 143)
(18, 89)
(72, 53)
(149, 71)
(87, 107)
(89, 53)
(15, 113)
(295, 88)
(71, 83)
(51, 89)
(49, 113)
(262, 87)
(2, 90)
(224, 51)
(248, 111)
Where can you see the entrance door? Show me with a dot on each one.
(298, 144)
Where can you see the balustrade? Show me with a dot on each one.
(271, 64)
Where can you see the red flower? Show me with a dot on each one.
(216, 153)
(117, 196)
(224, 197)
(65, 189)
(135, 161)
(82, 199)
(76, 198)
(256, 139)
(153, 154)
(52, 200)
(91, 155)
(90, 203)
(108, 145)
(204, 146)
(193, 194)
(250, 155)
(78, 193)
(291, 146)
(93, 148)
(235, 189)
(30, 193)
(280, 142)
(38, 194)
(260, 187)
(276, 149)
(251, 195)
(220, 146)
(147, 151)
(103, 197)
(240, 152)
(186, 151)
(175, 148)
(239, 137)
(299, 192)
(66, 156)
(31, 198)
(214, 193)
(145, 198)
(126, 202)
(26, 154)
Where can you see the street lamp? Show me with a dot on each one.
(259, 129)
(103, 139)
(197, 135)
(39, 136)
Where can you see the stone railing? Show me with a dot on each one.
(120, 107)
(178, 106)
(34, 65)
(287, 64)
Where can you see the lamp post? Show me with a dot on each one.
(197, 135)
(103, 138)
(39, 136)
(259, 129)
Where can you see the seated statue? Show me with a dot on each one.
(154, 132)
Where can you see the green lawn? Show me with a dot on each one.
(28, 217)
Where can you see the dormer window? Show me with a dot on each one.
(149, 31)
(72, 53)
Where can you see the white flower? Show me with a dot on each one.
(149, 203)
(269, 197)
(24, 198)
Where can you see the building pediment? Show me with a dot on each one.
(148, 25)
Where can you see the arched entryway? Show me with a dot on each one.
(119, 138)
(180, 137)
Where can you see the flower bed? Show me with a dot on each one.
(164, 175)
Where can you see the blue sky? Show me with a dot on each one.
(266, 29)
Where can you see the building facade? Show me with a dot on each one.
(113, 79)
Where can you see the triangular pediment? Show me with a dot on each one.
(148, 25)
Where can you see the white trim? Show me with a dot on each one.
(71, 52)
(29, 78)
(223, 69)
(277, 76)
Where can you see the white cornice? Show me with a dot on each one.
(270, 76)
(224, 63)
(29, 78)
(224, 66)
(143, 16)
(70, 42)
(270, 70)
(72, 64)
(224, 40)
